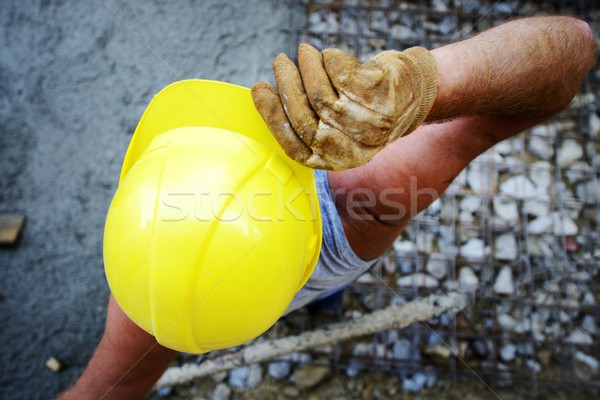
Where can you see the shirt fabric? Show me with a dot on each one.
(338, 265)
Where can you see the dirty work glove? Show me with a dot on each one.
(336, 113)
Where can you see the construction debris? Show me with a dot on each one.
(396, 316)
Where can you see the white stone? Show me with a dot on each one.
(541, 147)
(544, 131)
(588, 361)
(594, 124)
(447, 233)
(238, 377)
(518, 187)
(418, 279)
(542, 224)
(474, 248)
(414, 384)
(354, 368)
(508, 352)
(366, 279)
(480, 178)
(486, 158)
(348, 25)
(512, 161)
(398, 31)
(577, 172)
(537, 206)
(435, 207)
(332, 22)
(425, 241)
(506, 247)
(564, 225)
(466, 217)
(581, 100)
(467, 279)
(437, 265)
(506, 208)
(589, 192)
(379, 22)
(563, 316)
(280, 369)
(541, 174)
(572, 208)
(448, 211)
(569, 152)
(533, 366)
(440, 5)
(403, 349)
(588, 299)
(539, 247)
(221, 392)
(404, 247)
(578, 336)
(362, 349)
(589, 324)
(470, 203)
(254, 376)
(507, 322)
(504, 148)
(315, 18)
(504, 281)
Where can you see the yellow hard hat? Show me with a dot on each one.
(213, 229)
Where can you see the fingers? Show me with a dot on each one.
(336, 113)
(341, 151)
(319, 89)
(269, 106)
(271, 110)
(329, 101)
(293, 97)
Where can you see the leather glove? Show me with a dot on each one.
(336, 113)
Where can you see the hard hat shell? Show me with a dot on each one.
(213, 229)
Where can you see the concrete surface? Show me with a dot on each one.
(75, 77)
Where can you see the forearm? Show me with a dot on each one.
(126, 364)
(527, 69)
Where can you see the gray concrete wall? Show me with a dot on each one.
(75, 76)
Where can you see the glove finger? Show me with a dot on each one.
(341, 151)
(293, 97)
(271, 110)
(319, 89)
(267, 102)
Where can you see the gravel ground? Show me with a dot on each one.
(74, 80)
(373, 386)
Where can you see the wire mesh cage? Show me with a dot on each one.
(518, 228)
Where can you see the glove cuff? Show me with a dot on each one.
(429, 83)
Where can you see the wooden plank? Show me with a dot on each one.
(10, 228)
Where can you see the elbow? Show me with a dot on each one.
(588, 56)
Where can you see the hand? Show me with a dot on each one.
(336, 113)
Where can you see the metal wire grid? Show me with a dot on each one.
(550, 269)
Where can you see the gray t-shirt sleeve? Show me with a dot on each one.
(338, 265)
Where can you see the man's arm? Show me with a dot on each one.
(491, 87)
(126, 364)
(526, 69)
